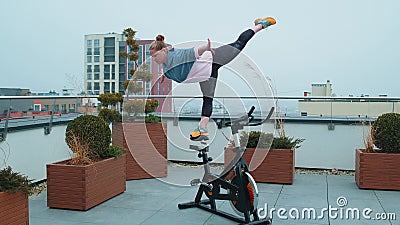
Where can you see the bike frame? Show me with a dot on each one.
(212, 184)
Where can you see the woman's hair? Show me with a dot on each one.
(158, 44)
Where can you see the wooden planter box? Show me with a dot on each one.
(146, 148)
(277, 167)
(83, 187)
(14, 208)
(377, 170)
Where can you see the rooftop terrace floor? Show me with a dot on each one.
(153, 202)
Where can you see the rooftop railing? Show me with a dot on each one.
(33, 127)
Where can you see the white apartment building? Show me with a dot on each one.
(104, 68)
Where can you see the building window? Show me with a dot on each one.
(148, 88)
(46, 107)
(109, 58)
(121, 87)
(96, 58)
(113, 87)
(106, 72)
(64, 108)
(89, 68)
(148, 57)
(141, 56)
(140, 83)
(106, 87)
(89, 58)
(113, 72)
(96, 51)
(96, 86)
(97, 43)
(121, 77)
(89, 51)
(89, 87)
(71, 107)
(109, 49)
(96, 72)
(89, 43)
(109, 42)
(89, 75)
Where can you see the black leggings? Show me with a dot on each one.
(223, 55)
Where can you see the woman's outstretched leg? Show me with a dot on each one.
(226, 53)
(223, 55)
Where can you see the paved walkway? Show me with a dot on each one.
(153, 202)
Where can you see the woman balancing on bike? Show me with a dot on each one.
(201, 65)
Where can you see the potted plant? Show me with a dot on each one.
(377, 167)
(14, 191)
(145, 139)
(94, 174)
(269, 162)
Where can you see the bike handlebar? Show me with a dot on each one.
(246, 119)
(251, 110)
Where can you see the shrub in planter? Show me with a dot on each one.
(152, 119)
(14, 191)
(95, 173)
(13, 182)
(263, 140)
(378, 168)
(145, 141)
(270, 159)
(255, 139)
(89, 137)
(110, 116)
(285, 142)
(386, 130)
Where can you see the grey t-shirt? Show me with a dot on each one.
(179, 64)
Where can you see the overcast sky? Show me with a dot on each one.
(353, 43)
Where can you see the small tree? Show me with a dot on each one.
(142, 73)
(110, 99)
(110, 116)
(133, 48)
(386, 130)
(139, 107)
(151, 106)
(134, 106)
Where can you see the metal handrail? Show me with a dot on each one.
(227, 97)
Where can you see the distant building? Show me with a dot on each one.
(320, 89)
(362, 106)
(14, 91)
(34, 107)
(106, 70)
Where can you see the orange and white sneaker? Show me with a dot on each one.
(199, 134)
(265, 22)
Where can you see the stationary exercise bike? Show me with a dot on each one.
(241, 190)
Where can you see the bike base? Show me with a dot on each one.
(203, 204)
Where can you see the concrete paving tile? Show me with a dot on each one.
(191, 216)
(152, 201)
